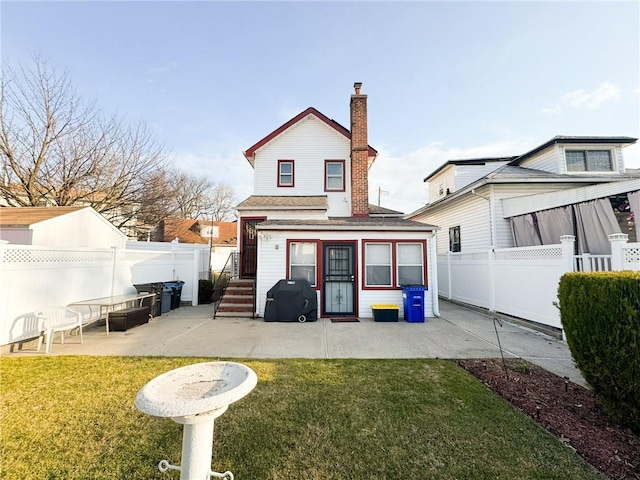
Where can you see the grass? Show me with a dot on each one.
(74, 418)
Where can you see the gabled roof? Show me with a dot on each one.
(185, 230)
(574, 140)
(468, 161)
(251, 151)
(27, 216)
(227, 231)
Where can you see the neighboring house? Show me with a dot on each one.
(310, 217)
(224, 238)
(58, 227)
(221, 235)
(566, 186)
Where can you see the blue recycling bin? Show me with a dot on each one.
(176, 286)
(413, 303)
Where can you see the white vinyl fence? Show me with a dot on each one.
(34, 277)
(523, 282)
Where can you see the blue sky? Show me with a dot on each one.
(444, 79)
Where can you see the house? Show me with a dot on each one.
(309, 217)
(221, 235)
(58, 227)
(566, 186)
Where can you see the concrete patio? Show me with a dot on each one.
(458, 333)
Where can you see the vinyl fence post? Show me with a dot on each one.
(195, 277)
(567, 252)
(617, 241)
(492, 279)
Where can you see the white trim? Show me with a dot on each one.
(543, 201)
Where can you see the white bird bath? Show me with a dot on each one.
(194, 396)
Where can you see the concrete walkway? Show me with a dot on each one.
(191, 331)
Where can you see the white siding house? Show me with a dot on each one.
(480, 205)
(310, 217)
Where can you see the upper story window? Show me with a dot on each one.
(589, 161)
(334, 175)
(285, 173)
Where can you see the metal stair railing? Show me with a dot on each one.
(220, 284)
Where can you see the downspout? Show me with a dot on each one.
(433, 254)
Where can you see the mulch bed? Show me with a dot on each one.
(565, 409)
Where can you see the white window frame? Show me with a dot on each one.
(586, 151)
(399, 265)
(292, 244)
(369, 264)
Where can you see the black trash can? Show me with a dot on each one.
(176, 286)
(153, 302)
(413, 303)
(291, 301)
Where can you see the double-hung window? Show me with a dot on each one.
(302, 261)
(334, 175)
(409, 263)
(285, 173)
(378, 267)
(393, 264)
(589, 160)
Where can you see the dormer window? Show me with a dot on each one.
(334, 175)
(285, 173)
(589, 161)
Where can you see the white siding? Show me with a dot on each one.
(446, 179)
(552, 159)
(272, 258)
(287, 214)
(549, 160)
(308, 143)
(467, 174)
(470, 212)
(82, 228)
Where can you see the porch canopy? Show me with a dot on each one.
(588, 213)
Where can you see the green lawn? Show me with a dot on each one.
(74, 418)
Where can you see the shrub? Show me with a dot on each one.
(600, 314)
(205, 291)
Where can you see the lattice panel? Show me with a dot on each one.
(530, 254)
(631, 255)
(54, 256)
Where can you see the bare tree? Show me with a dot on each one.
(223, 202)
(192, 195)
(58, 150)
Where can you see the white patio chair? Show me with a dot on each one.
(58, 319)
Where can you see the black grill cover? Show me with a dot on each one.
(291, 301)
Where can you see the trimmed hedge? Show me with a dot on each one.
(600, 314)
(205, 291)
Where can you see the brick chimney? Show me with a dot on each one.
(359, 154)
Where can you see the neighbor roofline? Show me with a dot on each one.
(573, 140)
(470, 161)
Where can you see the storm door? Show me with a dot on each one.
(249, 247)
(339, 283)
